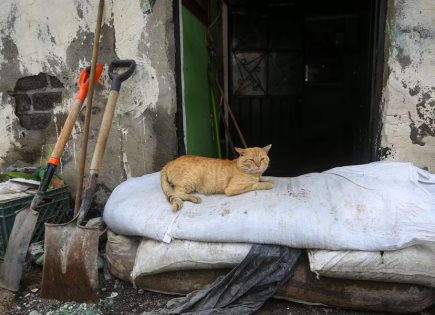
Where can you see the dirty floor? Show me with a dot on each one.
(119, 297)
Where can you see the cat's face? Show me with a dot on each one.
(253, 160)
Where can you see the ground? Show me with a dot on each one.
(119, 297)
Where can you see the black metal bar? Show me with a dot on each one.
(178, 78)
(377, 73)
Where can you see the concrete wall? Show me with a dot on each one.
(53, 39)
(408, 98)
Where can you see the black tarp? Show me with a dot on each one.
(244, 289)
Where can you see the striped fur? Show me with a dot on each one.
(187, 174)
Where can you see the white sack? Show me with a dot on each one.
(377, 206)
(415, 264)
(120, 254)
(157, 257)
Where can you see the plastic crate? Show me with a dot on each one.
(53, 210)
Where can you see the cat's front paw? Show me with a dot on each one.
(196, 199)
(266, 185)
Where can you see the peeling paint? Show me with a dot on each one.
(123, 154)
(409, 105)
(386, 152)
(142, 92)
(414, 91)
(130, 16)
(41, 48)
(7, 117)
(402, 58)
(59, 42)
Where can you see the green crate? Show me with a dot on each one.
(53, 210)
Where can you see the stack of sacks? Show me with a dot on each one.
(140, 256)
(384, 212)
(414, 264)
(181, 267)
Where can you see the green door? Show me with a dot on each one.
(198, 111)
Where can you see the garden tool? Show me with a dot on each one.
(71, 249)
(84, 146)
(12, 267)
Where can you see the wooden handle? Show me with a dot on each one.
(103, 134)
(67, 129)
(85, 137)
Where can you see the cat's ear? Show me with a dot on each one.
(239, 150)
(267, 148)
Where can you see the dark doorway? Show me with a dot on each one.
(305, 76)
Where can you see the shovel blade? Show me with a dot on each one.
(70, 263)
(11, 269)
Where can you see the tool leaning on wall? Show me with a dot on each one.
(12, 267)
(71, 250)
(25, 221)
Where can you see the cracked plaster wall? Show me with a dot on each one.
(409, 94)
(58, 41)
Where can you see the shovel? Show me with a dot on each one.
(71, 249)
(12, 267)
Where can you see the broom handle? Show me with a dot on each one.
(82, 165)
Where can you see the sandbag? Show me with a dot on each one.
(244, 289)
(303, 287)
(371, 207)
(120, 254)
(306, 289)
(415, 264)
(157, 257)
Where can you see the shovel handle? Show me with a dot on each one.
(66, 132)
(54, 160)
(83, 84)
(103, 135)
(118, 78)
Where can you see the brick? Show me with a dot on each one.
(35, 121)
(22, 103)
(33, 82)
(46, 100)
(55, 82)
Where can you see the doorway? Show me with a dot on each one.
(305, 76)
(300, 75)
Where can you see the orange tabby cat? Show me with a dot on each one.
(189, 173)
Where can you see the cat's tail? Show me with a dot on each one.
(173, 199)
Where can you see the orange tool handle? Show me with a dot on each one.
(83, 82)
(54, 159)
